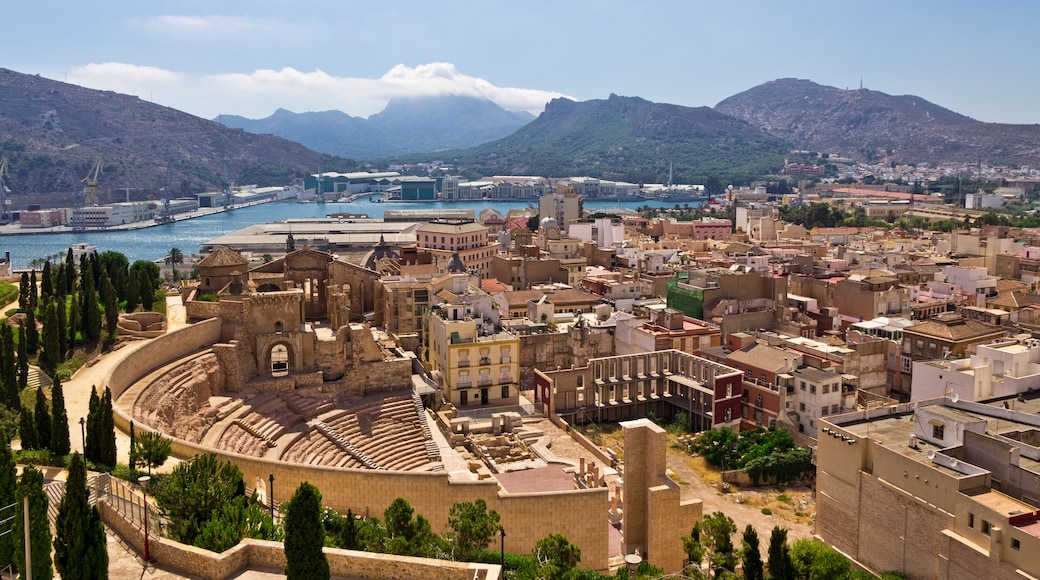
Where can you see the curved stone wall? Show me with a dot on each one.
(526, 517)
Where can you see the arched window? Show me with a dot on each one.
(279, 361)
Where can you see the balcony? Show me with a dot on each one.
(484, 382)
(485, 360)
(464, 363)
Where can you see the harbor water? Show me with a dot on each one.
(153, 243)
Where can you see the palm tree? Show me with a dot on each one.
(174, 258)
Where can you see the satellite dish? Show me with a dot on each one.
(953, 463)
(954, 398)
(931, 454)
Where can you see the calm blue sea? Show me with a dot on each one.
(155, 242)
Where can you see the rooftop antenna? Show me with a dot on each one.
(861, 83)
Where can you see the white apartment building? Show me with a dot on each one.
(1002, 369)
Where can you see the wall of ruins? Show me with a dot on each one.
(526, 517)
(250, 553)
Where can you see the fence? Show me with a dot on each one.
(126, 500)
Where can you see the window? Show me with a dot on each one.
(801, 407)
(802, 386)
(971, 521)
(938, 430)
(985, 527)
(1015, 544)
(825, 389)
(812, 389)
(505, 391)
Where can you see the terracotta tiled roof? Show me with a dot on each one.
(221, 257)
(952, 328)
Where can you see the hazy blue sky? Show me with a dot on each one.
(252, 57)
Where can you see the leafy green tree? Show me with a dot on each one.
(405, 535)
(31, 486)
(27, 430)
(60, 443)
(714, 534)
(305, 536)
(780, 565)
(240, 518)
(151, 449)
(472, 527)
(8, 486)
(77, 546)
(555, 555)
(43, 420)
(194, 491)
(751, 556)
(815, 560)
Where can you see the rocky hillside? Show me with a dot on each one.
(405, 125)
(870, 125)
(53, 133)
(630, 139)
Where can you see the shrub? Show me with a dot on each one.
(767, 512)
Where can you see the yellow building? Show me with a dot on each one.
(477, 365)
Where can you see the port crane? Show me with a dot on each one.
(92, 182)
(86, 197)
(165, 215)
(4, 202)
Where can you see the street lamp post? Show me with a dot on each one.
(143, 480)
(83, 433)
(270, 493)
(502, 535)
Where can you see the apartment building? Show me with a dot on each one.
(444, 238)
(941, 488)
(944, 336)
(475, 363)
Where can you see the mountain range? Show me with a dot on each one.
(870, 125)
(53, 132)
(405, 125)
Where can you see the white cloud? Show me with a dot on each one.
(207, 24)
(259, 93)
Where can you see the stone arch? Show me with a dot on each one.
(268, 288)
(279, 360)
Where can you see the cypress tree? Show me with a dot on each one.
(146, 285)
(75, 324)
(8, 486)
(8, 368)
(27, 430)
(23, 292)
(31, 487)
(59, 281)
(107, 439)
(32, 334)
(780, 565)
(34, 292)
(43, 420)
(46, 283)
(90, 448)
(72, 542)
(751, 556)
(60, 443)
(23, 360)
(96, 556)
(62, 332)
(132, 294)
(70, 272)
(108, 292)
(49, 357)
(304, 536)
